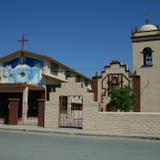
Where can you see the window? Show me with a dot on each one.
(147, 56)
(68, 74)
(54, 69)
(114, 83)
(86, 82)
(78, 78)
(76, 106)
(63, 103)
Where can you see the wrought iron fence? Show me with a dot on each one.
(71, 120)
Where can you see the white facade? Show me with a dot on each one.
(29, 77)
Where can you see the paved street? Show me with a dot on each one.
(36, 146)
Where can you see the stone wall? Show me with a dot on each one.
(125, 124)
(141, 124)
(67, 89)
(109, 123)
(52, 112)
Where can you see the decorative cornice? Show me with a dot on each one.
(115, 62)
(146, 38)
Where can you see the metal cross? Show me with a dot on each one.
(147, 17)
(22, 41)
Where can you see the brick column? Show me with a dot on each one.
(41, 110)
(94, 84)
(137, 89)
(13, 111)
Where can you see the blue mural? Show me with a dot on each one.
(23, 70)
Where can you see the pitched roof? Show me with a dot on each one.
(41, 56)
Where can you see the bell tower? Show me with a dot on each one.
(146, 64)
(146, 48)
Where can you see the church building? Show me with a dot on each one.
(144, 76)
(28, 81)
(27, 78)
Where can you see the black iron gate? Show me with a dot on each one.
(70, 115)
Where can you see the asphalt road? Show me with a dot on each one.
(35, 146)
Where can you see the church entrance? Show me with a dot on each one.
(32, 114)
(4, 112)
(70, 112)
(5, 109)
(20, 104)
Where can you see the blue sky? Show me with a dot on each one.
(83, 34)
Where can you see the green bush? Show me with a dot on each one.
(123, 99)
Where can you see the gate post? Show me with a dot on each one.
(13, 111)
(41, 110)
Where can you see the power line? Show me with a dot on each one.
(102, 69)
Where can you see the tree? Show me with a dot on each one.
(123, 99)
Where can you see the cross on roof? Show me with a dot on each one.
(22, 41)
(147, 18)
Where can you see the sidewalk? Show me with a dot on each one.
(67, 131)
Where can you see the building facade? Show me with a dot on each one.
(144, 76)
(29, 81)
(114, 76)
(29, 77)
(146, 65)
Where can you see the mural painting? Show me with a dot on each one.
(23, 70)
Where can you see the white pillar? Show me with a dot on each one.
(25, 105)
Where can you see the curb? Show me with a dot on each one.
(75, 133)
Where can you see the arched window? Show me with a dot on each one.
(114, 83)
(147, 56)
